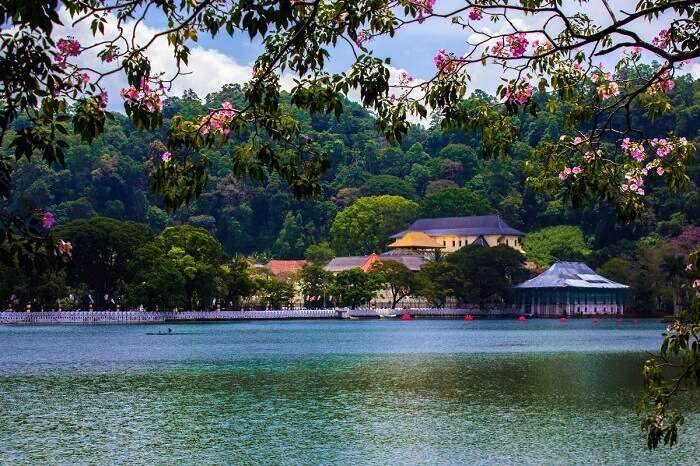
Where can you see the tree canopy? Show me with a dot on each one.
(551, 244)
(366, 225)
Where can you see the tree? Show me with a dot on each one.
(320, 253)
(275, 293)
(158, 282)
(488, 274)
(316, 285)
(673, 267)
(399, 278)
(438, 281)
(439, 185)
(198, 256)
(353, 288)
(675, 369)
(101, 251)
(455, 202)
(236, 282)
(463, 154)
(387, 184)
(366, 225)
(565, 241)
(46, 84)
(290, 241)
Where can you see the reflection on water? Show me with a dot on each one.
(321, 392)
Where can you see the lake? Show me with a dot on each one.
(331, 392)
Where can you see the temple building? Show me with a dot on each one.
(452, 233)
(571, 289)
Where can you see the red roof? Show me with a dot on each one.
(282, 268)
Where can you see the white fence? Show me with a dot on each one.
(87, 317)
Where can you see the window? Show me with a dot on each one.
(507, 243)
(444, 243)
(460, 243)
(453, 243)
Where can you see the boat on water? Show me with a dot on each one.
(169, 332)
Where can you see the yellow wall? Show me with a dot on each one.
(453, 243)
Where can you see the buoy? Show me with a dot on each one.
(406, 316)
(563, 320)
(469, 317)
(522, 319)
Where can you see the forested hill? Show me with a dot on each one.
(109, 178)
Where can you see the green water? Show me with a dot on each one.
(330, 392)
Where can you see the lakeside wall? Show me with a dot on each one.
(125, 317)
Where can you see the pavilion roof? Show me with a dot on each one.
(417, 240)
(571, 275)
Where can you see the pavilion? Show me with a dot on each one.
(570, 289)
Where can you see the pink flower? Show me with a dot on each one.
(476, 13)
(696, 284)
(498, 48)
(663, 40)
(102, 99)
(660, 171)
(576, 170)
(165, 156)
(47, 220)
(689, 267)
(519, 92)
(108, 57)
(423, 6)
(663, 83)
(608, 90)
(129, 93)
(405, 78)
(577, 140)
(85, 78)
(68, 47)
(361, 38)
(442, 61)
(517, 43)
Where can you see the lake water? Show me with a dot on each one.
(331, 392)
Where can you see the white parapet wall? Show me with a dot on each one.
(126, 317)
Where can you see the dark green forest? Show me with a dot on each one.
(435, 174)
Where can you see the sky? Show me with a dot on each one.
(222, 60)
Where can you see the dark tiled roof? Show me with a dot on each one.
(466, 226)
(338, 264)
(571, 275)
(412, 261)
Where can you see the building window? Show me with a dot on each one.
(460, 243)
(453, 243)
(444, 243)
(507, 243)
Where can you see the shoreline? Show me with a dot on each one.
(159, 317)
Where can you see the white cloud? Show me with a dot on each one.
(695, 70)
(207, 70)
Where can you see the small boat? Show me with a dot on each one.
(169, 332)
